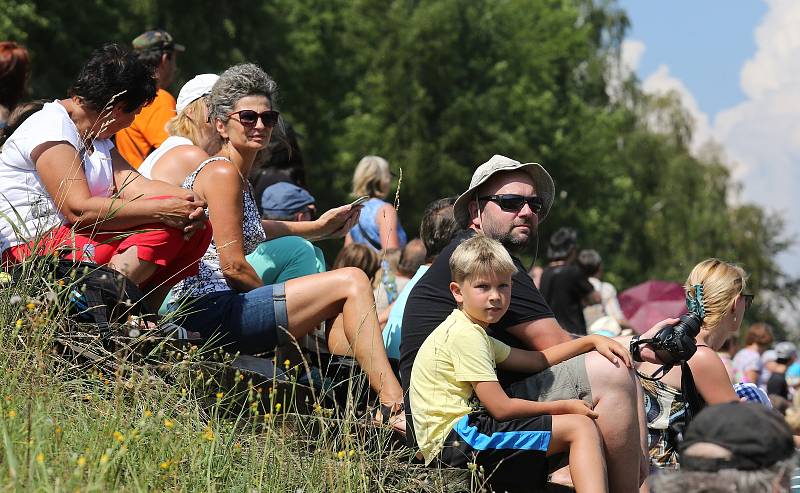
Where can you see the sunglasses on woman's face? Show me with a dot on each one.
(249, 118)
(514, 203)
(748, 300)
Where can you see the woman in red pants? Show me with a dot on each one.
(64, 187)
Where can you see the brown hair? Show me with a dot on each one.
(358, 255)
(14, 71)
(759, 333)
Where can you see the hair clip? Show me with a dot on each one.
(695, 305)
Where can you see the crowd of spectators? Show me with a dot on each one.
(201, 201)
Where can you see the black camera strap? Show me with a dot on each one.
(636, 348)
(694, 401)
(657, 375)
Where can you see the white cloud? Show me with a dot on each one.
(662, 82)
(632, 52)
(762, 134)
(775, 65)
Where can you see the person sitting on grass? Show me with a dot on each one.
(228, 299)
(508, 437)
(66, 190)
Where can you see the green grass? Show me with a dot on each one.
(153, 417)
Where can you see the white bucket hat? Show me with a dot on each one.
(541, 180)
(198, 87)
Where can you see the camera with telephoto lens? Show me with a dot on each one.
(675, 343)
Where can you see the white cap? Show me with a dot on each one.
(198, 87)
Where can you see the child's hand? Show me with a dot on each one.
(574, 406)
(611, 349)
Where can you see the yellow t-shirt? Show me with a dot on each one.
(147, 131)
(457, 353)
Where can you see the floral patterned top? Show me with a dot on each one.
(210, 278)
(666, 421)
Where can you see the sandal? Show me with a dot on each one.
(393, 415)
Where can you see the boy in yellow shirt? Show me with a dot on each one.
(510, 438)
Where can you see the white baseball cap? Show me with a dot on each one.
(198, 87)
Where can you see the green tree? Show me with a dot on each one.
(437, 87)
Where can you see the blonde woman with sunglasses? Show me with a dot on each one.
(715, 291)
(228, 298)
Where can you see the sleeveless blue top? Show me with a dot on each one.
(366, 231)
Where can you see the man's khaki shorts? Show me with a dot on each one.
(566, 380)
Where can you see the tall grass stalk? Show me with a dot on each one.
(153, 416)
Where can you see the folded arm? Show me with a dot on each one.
(220, 185)
(59, 168)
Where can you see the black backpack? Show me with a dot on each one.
(97, 294)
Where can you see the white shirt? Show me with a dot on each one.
(146, 168)
(26, 209)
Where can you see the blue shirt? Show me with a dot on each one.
(367, 232)
(393, 328)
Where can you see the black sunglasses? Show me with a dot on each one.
(748, 300)
(249, 117)
(513, 202)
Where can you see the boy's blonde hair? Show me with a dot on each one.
(372, 177)
(722, 282)
(480, 255)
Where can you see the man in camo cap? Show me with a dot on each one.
(158, 50)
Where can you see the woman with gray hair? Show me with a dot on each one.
(228, 298)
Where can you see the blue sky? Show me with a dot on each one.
(704, 42)
(736, 67)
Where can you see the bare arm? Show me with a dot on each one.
(504, 408)
(386, 218)
(540, 334)
(646, 350)
(59, 168)
(177, 163)
(711, 377)
(131, 184)
(220, 185)
(535, 361)
(334, 223)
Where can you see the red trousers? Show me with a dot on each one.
(156, 243)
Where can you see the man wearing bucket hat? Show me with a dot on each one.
(158, 50)
(506, 200)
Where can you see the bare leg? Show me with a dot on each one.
(139, 271)
(579, 435)
(129, 264)
(615, 400)
(312, 299)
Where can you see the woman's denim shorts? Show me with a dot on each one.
(251, 322)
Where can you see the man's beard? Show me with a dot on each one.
(512, 242)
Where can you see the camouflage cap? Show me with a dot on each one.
(156, 40)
